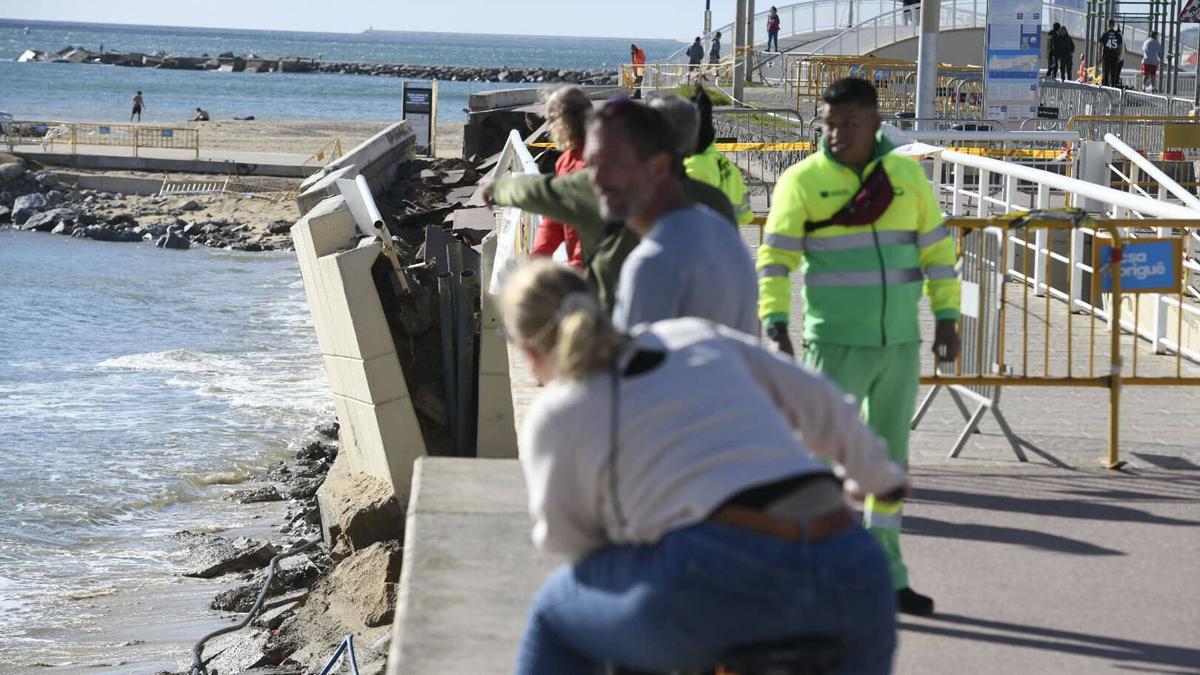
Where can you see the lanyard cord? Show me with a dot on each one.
(614, 428)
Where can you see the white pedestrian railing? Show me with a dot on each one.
(516, 229)
(899, 24)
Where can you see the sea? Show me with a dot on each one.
(139, 386)
(102, 93)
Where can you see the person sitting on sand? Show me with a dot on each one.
(201, 115)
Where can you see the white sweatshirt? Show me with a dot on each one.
(714, 418)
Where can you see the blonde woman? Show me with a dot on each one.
(665, 465)
(567, 112)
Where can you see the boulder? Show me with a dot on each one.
(63, 228)
(190, 205)
(87, 218)
(193, 230)
(6, 198)
(266, 493)
(54, 197)
(210, 556)
(122, 218)
(46, 179)
(239, 652)
(277, 226)
(328, 430)
(173, 240)
(47, 220)
(5, 214)
(358, 509)
(317, 447)
(30, 201)
(11, 171)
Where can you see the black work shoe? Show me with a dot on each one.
(909, 601)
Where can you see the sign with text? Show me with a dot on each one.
(1013, 50)
(419, 107)
(1147, 266)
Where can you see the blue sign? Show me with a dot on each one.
(167, 133)
(1147, 266)
(105, 130)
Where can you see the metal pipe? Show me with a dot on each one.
(445, 284)
(465, 301)
(1154, 172)
(927, 64)
(739, 46)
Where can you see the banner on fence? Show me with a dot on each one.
(1147, 266)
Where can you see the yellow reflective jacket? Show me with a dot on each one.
(714, 168)
(862, 283)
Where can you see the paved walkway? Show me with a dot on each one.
(111, 158)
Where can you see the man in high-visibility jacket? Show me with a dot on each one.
(709, 165)
(868, 229)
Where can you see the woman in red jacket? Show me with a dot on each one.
(567, 111)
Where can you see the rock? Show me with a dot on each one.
(294, 573)
(238, 599)
(173, 240)
(211, 556)
(47, 220)
(5, 214)
(6, 198)
(328, 429)
(359, 508)
(54, 197)
(121, 218)
(277, 226)
(193, 229)
(46, 179)
(11, 171)
(317, 447)
(238, 652)
(63, 228)
(29, 201)
(267, 493)
(87, 218)
(190, 205)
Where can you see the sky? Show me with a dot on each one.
(667, 19)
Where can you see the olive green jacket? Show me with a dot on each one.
(572, 200)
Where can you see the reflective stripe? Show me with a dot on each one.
(783, 242)
(860, 240)
(933, 236)
(773, 271)
(940, 272)
(881, 514)
(869, 278)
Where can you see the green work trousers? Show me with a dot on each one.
(884, 381)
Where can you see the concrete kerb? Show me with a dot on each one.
(375, 158)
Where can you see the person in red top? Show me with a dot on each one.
(637, 57)
(567, 111)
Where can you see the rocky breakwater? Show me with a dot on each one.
(292, 64)
(39, 201)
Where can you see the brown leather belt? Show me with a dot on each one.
(817, 529)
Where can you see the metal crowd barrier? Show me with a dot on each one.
(959, 88)
(326, 154)
(1000, 302)
(75, 134)
(763, 143)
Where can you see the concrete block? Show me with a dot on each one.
(321, 186)
(372, 157)
(382, 440)
(378, 381)
(357, 319)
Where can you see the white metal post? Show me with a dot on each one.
(739, 44)
(927, 59)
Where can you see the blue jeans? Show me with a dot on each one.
(678, 604)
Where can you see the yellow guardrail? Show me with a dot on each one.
(960, 88)
(806, 146)
(326, 154)
(75, 134)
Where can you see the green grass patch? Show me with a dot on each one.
(718, 97)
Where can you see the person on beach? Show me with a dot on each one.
(567, 112)
(201, 115)
(689, 261)
(637, 58)
(138, 104)
(869, 232)
(574, 199)
(711, 166)
(685, 472)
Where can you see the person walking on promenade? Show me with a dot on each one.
(567, 112)
(138, 104)
(1064, 51)
(773, 29)
(695, 54)
(1151, 57)
(573, 199)
(637, 57)
(711, 166)
(1051, 53)
(1112, 47)
(714, 50)
(868, 229)
(682, 471)
(689, 262)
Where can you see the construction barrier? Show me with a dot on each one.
(75, 134)
(959, 88)
(326, 154)
(1005, 295)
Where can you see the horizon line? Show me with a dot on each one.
(365, 31)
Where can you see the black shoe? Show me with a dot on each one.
(909, 601)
